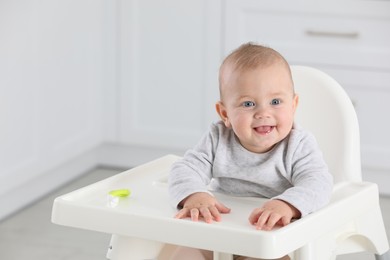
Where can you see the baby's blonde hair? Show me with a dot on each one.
(250, 56)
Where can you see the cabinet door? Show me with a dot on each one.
(169, 58)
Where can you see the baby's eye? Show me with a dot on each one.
(248, 104)
(275, 101)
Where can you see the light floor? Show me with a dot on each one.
(30, 234)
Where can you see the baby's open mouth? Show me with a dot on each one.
(264, 130)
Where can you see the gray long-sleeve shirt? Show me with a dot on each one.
(293, 171)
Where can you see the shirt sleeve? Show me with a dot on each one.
(310, 177)
(193, 172)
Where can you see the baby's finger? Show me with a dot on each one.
(285, 221)
(183, 213)
(215, 213)
(194, 214)
(271, 222)
(222, 208)
(254, 216)
(205, 212)
(263, 218)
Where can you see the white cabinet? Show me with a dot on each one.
(321, 33)
(348, 40)
(169, 59)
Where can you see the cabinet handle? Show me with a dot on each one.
(318, 33)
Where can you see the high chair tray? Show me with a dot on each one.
(147, 214)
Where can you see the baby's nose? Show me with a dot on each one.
(261, 112)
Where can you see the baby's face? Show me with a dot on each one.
(259, 105)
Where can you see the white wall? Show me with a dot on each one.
(56, 69)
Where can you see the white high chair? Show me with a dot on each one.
(143, 222)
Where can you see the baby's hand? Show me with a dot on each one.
(273, 212)
(204, 205)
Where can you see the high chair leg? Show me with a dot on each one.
(222, 256)
(128, 248)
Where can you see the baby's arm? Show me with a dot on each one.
(201, 204)
(273, 212)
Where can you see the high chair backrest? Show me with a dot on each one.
(326, 111)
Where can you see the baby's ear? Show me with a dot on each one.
(221, 110)
(295, 102)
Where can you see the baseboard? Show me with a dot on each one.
(31, 191)
(118, 156)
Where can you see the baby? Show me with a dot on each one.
(254, 150)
